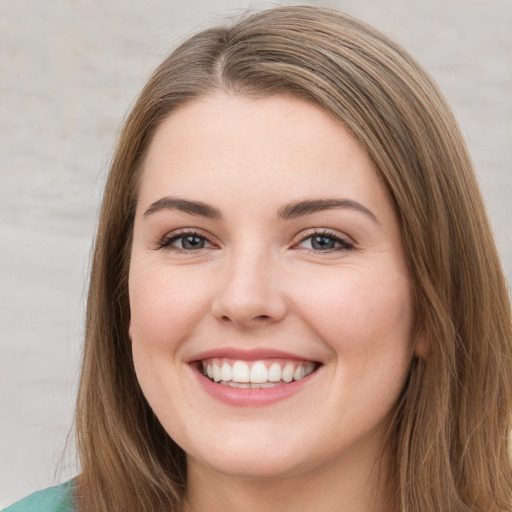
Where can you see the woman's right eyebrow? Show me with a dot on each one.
(185, 205)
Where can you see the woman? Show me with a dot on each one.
(296, 301)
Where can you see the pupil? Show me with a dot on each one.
(322, 242)
(192, 242)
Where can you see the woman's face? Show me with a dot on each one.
(267, 254)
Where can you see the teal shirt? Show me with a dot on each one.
(53, 499)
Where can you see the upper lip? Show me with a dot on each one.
(255, 354)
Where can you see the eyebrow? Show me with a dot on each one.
(193, 207)
(287, 212)
(308, 207)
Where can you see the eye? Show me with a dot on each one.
(325, 242)
(185, 242)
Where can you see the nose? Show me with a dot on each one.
(249, 293)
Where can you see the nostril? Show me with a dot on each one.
(259, 317)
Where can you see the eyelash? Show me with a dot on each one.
(346, 245)
(168, 240)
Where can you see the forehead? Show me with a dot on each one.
(269, 147)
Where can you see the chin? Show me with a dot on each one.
(248, 466)
(259, 458)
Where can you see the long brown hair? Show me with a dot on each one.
(449, 438)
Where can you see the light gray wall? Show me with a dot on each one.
(69, 70)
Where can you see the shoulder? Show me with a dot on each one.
(53, 499)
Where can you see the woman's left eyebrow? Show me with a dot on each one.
(307, 207)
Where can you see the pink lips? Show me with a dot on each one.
(248, 397)
(246, 355)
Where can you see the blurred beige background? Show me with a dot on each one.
(69, 70)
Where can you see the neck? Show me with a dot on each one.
(356, 486)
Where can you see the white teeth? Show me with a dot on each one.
(287, 373)
(259, 373)
(240, 372)
(264, 385)
(216, 372)
(274, 372)
(237, 385)
(226, 372)
(243, 385)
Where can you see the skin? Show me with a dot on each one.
(258, 283)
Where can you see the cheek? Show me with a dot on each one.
(362, 314)
(165, 309)
(165, 306)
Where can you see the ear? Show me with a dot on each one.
(420, 345)
(130, 333)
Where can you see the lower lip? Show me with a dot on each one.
(252, 397)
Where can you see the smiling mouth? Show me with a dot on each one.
(255, 374)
